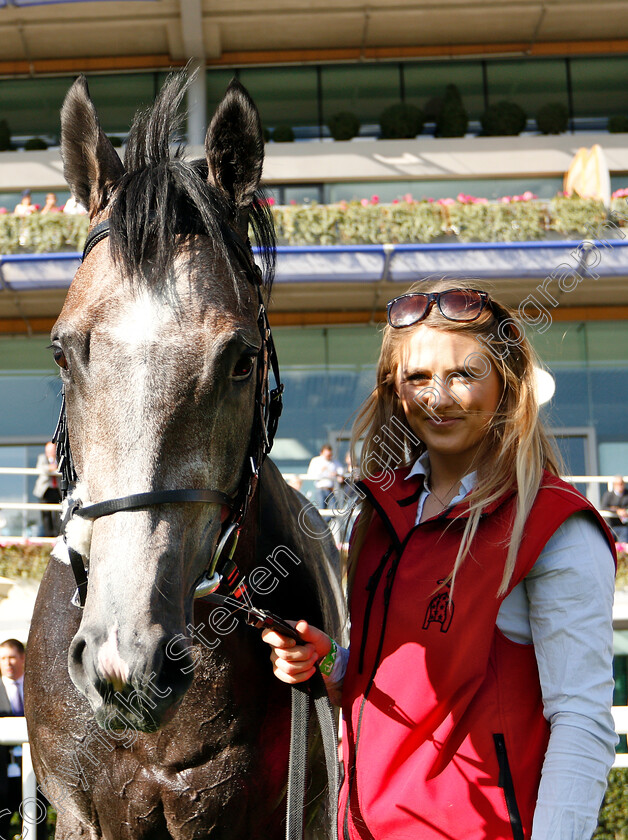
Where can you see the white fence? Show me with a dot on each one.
(336, 517)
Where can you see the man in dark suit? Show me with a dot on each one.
(12, 704)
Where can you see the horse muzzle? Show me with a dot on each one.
(130, 686)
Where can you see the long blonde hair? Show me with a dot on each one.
(517, 449)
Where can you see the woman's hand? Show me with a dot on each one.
(293, 662)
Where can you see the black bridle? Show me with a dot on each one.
(268, 406)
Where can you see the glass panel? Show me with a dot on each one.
(491, 188)
(118, 97)
(364, 89)
(427, 81)
(329, 374)
(599, 86)
(217, 82)
(302, 194)
(19, 488)
(613, 457)
(31, 106)
(530, 83)
(284, 95)
(39, 401)
(27, 354)
(10, 199)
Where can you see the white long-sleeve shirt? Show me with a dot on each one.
(563, 607)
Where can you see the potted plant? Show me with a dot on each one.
(344, 125)
(401, 121)
(503, 119)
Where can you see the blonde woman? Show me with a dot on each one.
(477, 687)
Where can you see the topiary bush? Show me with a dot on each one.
(401, 121)
(552, 118)
(283, 134)
(5, 136)
(617, 124)
(452, 119)
(344, 125)
(613, 819)
(504, 119)
(35, 144)
(432, 108)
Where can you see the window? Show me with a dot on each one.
(599, 86)
(284, 95)
(426, 81)
(530, 83)
(364, 89)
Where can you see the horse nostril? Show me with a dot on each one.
(77, 655)
(77, 648)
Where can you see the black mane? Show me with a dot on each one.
(163, 196)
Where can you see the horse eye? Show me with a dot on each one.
(243, 367)
(59, 356)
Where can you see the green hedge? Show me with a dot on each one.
(364, 222)
(24, 561)
(39, 234)
(613, 820)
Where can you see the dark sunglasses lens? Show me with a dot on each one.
(407, 310)
(461, 304)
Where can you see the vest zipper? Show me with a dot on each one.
(506, 783)
(390, 578)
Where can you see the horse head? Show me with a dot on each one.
(158, 346)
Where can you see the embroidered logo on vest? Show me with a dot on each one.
(440, 609)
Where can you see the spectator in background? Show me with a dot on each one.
(50, 205)
(325, 472)
(12, 655)
(616, 500)
(11, 704)
(47, 489)
(26, 206)
(74, 207)
(296, 483)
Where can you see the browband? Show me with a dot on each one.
(155, 497)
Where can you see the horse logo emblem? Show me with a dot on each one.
(440, 609)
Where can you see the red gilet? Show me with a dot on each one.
(444, 734)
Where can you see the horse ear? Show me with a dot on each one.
(234, 146)
(91, 165)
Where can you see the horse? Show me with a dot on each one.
(152, 712)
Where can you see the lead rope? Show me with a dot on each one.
(297, 764)
(301, 694)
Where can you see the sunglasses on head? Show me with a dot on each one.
(453, 304)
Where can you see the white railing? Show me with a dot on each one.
(335, 518)
(620, 716)
(13, 733)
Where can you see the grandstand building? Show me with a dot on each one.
(303, 64)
